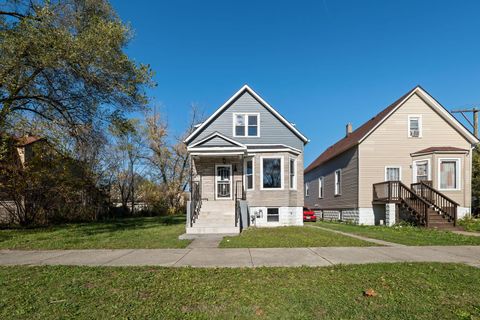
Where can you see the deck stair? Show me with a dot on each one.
(428, 206)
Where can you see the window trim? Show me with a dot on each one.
(420, 125)
(253, 174)
(338, 192)
(394, 167)
(458, 172)
(290, 173)
(278, 214)
(414, 169)
(282, 173)
(321, 187)
(245, 114)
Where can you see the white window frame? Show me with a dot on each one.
(282, 172)
(245, 114)
(338, 192)
(253, 174)
(420, 125)
(321, 187)
(414, 169)
(457, 173)
(307, 189)
(394, 167)
(278, 215)
(294, 172)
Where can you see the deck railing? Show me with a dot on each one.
(397, 192)
(438, 200)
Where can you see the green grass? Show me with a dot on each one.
(470, 224)
(405, 291)
(152, 232)
(402, 234)
(289, 237)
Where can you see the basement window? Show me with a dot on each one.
(272, 215)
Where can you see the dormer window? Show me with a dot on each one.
(414, 126)
(246, 125)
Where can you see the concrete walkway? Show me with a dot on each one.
(351, 235)
(271, 257)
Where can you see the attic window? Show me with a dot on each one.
(246, 125)
(414, 126)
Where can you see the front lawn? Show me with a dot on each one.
(402, 234)
(402, 291)
(151, 232)
(290, 237)
(470, 224)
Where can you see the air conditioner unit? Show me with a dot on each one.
(414, 133)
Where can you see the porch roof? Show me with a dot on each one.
(439, 150)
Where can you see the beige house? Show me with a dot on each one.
(410, 161)
(247, 168)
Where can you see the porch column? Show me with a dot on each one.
(390, 214)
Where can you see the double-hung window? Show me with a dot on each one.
(246, 125)
(414, 126)
(320, 187)
(249, 174)
(338, 182)
(393, 173)
(449, 174)
(293, 173)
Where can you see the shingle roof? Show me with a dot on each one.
(354, 138)
(440, 149)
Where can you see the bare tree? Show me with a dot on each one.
(169, 158)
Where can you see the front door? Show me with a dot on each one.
(223, 181)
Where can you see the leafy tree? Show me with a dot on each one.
(63, 61)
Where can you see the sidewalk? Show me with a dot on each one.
(271, 257)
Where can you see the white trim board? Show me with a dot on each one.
(259, 99)
(282, 172)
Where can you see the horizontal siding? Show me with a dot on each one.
(347, 161)
(272, 130)
(217, 142)
(390, 145)
(277, 198)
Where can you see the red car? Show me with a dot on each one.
(309, 215)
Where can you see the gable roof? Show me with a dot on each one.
(219, 136)
(227, 104)
(26, 140)
(368, 127)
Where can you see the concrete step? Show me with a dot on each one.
(213, 230)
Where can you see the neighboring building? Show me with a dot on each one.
(414, 141)
(247, 168)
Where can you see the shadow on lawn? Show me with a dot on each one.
(107, 226)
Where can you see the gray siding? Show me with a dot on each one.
(272, 130)
(348, 163)
(217, 142)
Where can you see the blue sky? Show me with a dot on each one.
(319, 63)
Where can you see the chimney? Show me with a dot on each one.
(348, 129)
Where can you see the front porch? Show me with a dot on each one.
(217, 194)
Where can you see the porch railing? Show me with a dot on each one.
(239, 195)
(439, 201)
(195, 202)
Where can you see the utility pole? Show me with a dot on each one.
(475, 118)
